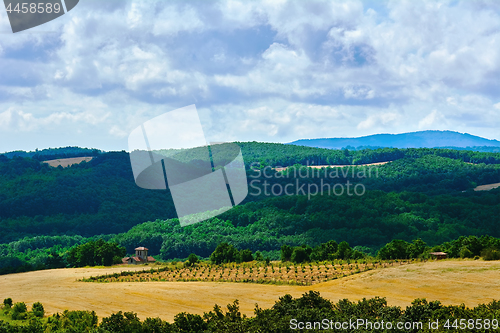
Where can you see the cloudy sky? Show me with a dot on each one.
(256, 70)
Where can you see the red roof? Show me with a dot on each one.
(142, 248)
(151, 259)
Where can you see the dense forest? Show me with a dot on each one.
(276, 154)
(100, 196)
(422, 193)
(309, 312)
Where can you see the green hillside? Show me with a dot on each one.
(424, 193)
(100, 197)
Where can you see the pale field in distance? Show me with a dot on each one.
(65, 162)
(449, 281)
(487, 187)
(336, 166)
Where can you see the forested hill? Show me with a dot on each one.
(276, 154)
(422, 139)
(54, 153)
(100, 196)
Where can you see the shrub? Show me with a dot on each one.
(259, 256)
(286, 252)
(246, 255)
(38, 310)
(465, 252)
(7, 303)
(19, 311)
(192, 259)
(299, 255)
(491, 254)
(224, 253)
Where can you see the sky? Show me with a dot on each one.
(272, 71)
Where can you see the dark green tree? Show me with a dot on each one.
(19, 311)
(192, 259)
(224, 252)
(7, 303)
(38, 310)
(286, 252)
(246, 255)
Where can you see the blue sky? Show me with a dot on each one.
(256, 70)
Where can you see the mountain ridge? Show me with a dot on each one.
(420, 139)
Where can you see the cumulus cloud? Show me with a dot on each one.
(430, 120)
(260, 70)
(380, 120)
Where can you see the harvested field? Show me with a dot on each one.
(487, 187)
(450, 281)
(65, 162)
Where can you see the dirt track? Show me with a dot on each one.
(451, 282)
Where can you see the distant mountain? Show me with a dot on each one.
(422, 139)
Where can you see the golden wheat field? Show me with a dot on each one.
(450, 281)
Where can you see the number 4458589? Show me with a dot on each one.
(34, 8)
(471, 324)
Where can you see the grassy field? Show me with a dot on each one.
(250, 272)
(450, 281)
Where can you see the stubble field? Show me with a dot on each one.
(450, 281)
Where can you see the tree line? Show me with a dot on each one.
(485, 247)
(309, 312)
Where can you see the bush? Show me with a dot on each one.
(7, 303)
(19, 311)
(38, 310)
(286, 252)
(465, 252)
(224, 253)
(299, 255)
(491, 254)
(192, 259)
(246, 255)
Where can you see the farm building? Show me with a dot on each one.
(141, 257)
(439, 255)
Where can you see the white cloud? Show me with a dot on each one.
(381, 120)
(431, 119)
(263, 70)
